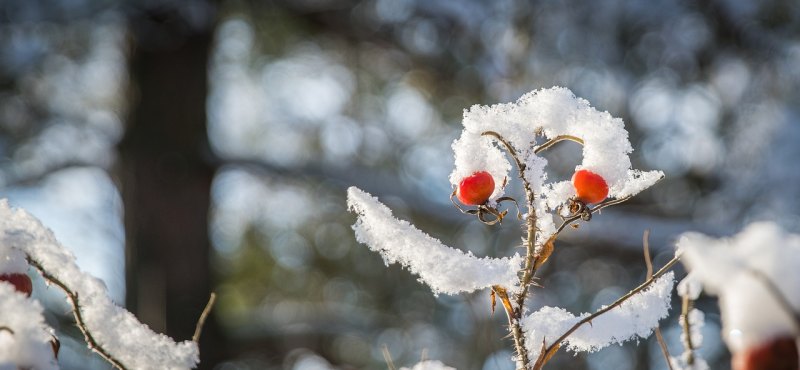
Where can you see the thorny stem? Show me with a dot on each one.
(76, 310)
(515, 315)
(557, 343)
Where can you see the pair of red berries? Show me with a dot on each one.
(21, 282)
(475, 189)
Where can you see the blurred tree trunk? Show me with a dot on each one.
(166, 175)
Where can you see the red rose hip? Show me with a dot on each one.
(22, 283)
(475, 189)
(589, 186)
(778, 354)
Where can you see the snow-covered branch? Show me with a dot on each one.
(113, 330)
(444, 269)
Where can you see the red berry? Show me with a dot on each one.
(22, 283)
(475, 189)
(778, 354)
(589, 186)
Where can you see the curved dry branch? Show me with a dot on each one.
(549, 143)
(76, 310)
(198, 329)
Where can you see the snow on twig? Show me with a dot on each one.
(635, 314)
(444, 269)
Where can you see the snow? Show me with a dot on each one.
(12, 261)
(114, 328)
(690, 287)
(681, 363)
(696, 322)
(29, 345)
(552, 112)
(751, 314)
(429, 365)
(444, 269)
(636, 317)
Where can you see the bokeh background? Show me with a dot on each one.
(180, 147)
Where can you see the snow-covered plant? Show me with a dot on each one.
(522, 131)
(26, 341)
(756, 275)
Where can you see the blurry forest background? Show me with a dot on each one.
(181, 147)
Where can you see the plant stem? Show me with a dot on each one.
(76, 310)
(203, 316)
(686, 307)
(649, 265)
(515, 314)
(546, 145)
(555, 345)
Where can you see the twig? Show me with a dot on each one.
(546, 145)
(555, 345)
(686, 307)
(203, 316)
(649, 264)
(76, 310)
(6, 328)
(388, 357)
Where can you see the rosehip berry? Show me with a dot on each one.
(22, 283)
(589, 186)
(778, 354)
(475, 189)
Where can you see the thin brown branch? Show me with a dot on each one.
(557, 343)
(546, 145)
(76, 310)
(686, 307)
(649, 264)
(203, 316)
(6, 328)
(664, 351)
(646, 245)
(387, 356)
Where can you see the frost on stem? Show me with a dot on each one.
(444, 269)
(755, 275)
(114, 329)
(635, 317)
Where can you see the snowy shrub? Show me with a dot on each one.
(522, 131)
